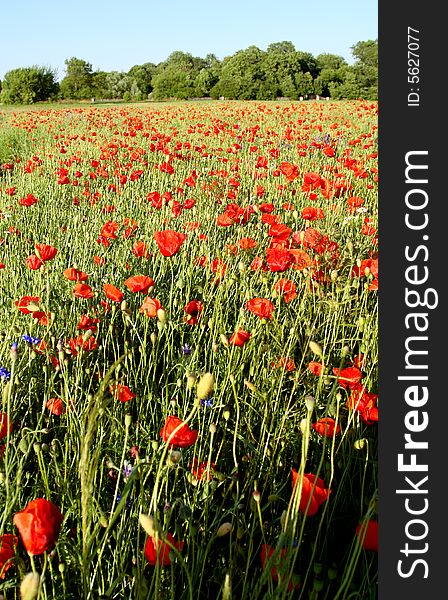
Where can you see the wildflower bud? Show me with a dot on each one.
(295, 215)
(304, 426)
(224, 340)
(124, 306)
(14, 352)
(210, 324)
(161, 315)
(153, 338)
(256, 208)
(148, 524)
(88, 334)
(205, 386)
(367, 271)
(213, 428)
(256, 495)
(29, 587)
(174, 457)
(318, 585)
(232, 378)
(224, 529)
(191, 380)
(227, 589)
(334, 275)
(345, 351)
(283, 518)
(358, 262)
(226, 413)
(61, 567)
(250, 385)
(127, 421)
(314, 347)
(215, 347)
(360, 444)
(317, 568)
(309, 403)
(155, 445)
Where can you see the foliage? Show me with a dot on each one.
(28, 85)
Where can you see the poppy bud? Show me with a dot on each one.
(215, 347)
(29, 588)
(309, 403)
(226, 413)
(334, 275)
(153, 338)
(148, 524)
(161, 315)
(250, 385)
(224, 340)
(224, 529)
(191, 380)
(314, 347)
(205, 386)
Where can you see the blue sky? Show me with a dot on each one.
(114, 36)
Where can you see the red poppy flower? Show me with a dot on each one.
(27, 301)
(278, 259)
(312, 213)
(8, 543)
(121, 392)
(247, 243)
(169, 241)
(112, 292)
(183, 437)
(73, 274)
(139, 249)
(287, 288)
(55, 406)
(365, 403)
(315, 497)
(284, 362)
(205, 470)
(266, 553)
(289, 170)
(239, 338)
(33, 262)
(193, 310)
(87, 322)
(316, 368)
(159, 553)
(83, 290)
(348, 377)
(326, 427)
(109, 230)
(39, 525)
(150, 307)
(5, 425)
(279, 231)
(79, 344)
(368, 535)
(29, 200)
(46, 252)
(261, 307)
(139, 283)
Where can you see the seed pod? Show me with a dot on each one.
(224, 529)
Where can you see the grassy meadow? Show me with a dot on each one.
(188, 351)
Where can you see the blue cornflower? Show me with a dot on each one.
(186, 350)
(4, 373)
(207, 403)
(30, 339)
(127, 469)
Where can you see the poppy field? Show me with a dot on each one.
(188, 351)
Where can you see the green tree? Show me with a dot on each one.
(366, 68)
(244, 77)
(176, 77)
(28, 84)
(78, 81)
(143, 75)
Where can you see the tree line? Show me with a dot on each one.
(250, 74)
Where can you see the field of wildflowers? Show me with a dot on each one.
(188, 351)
